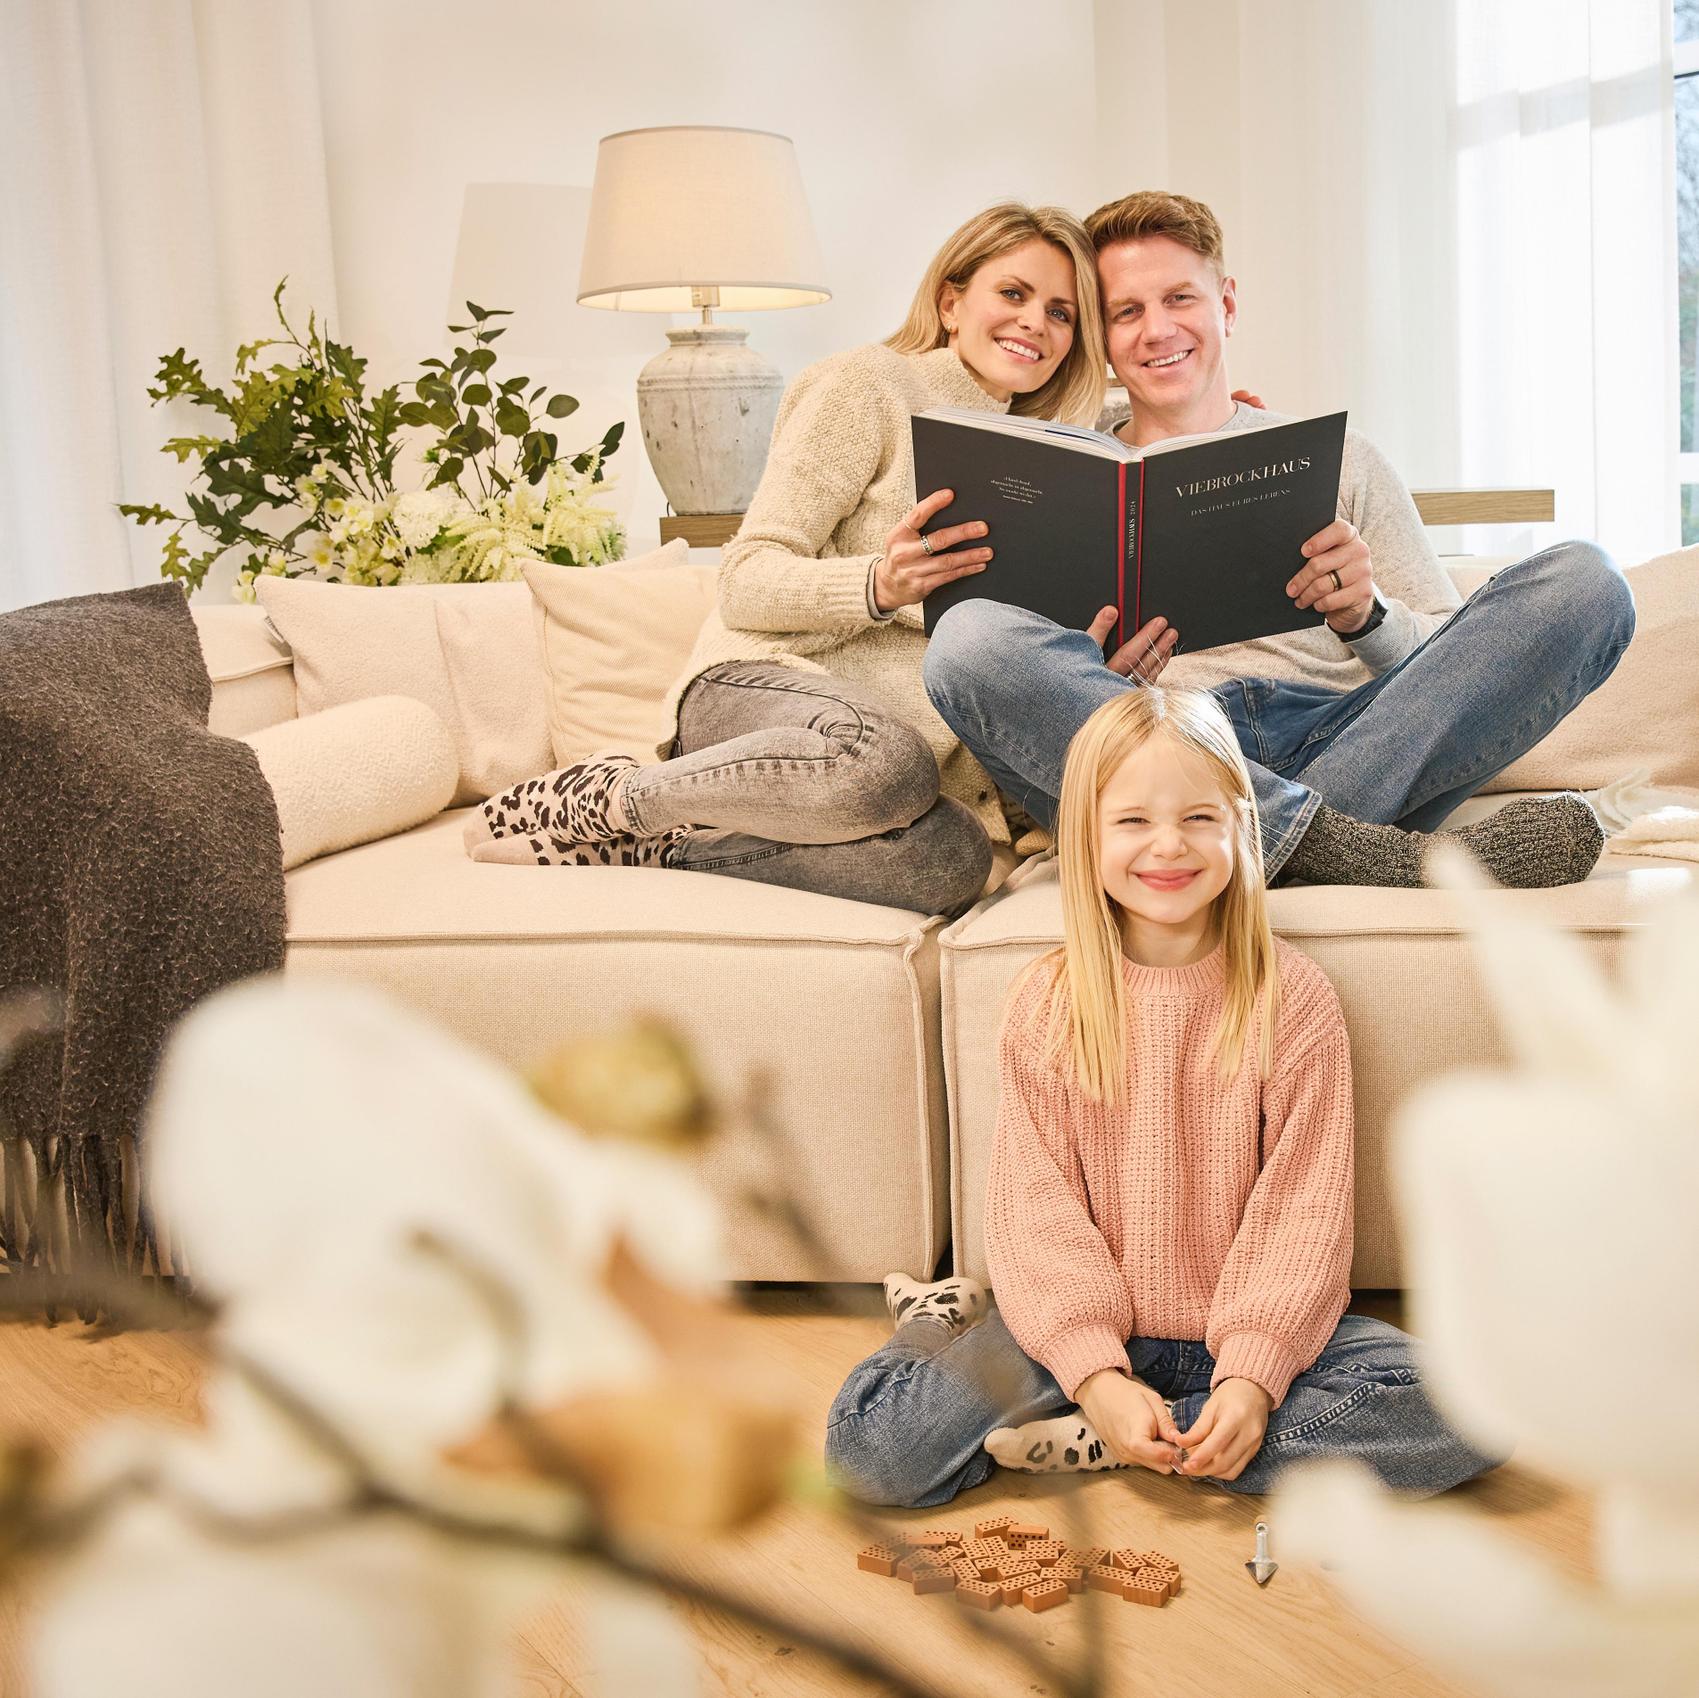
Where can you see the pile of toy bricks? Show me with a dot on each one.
(1017, 1562)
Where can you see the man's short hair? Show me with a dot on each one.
(1155, 212)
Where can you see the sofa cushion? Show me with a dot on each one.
(613, 640)
(249, 664)
(1400, 960)
(1646, 713)
(833, 1004)
(467, 651)
(353, 773)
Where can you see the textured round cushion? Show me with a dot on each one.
(354, 773)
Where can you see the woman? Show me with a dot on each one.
(804, 751)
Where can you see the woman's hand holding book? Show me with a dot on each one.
(912, 568)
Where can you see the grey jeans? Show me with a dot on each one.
(802, 780)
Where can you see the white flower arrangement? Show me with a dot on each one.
(304, 483)
(437, 536)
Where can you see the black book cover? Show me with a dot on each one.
(1055, 514)
(1206, 534)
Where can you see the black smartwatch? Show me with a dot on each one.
(1376, 618)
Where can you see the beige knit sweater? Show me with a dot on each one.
(1195, 1210)
(793, 582)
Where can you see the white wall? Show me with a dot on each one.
(906, 118)
(1421, 203)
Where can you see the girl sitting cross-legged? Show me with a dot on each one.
(1168, 1213)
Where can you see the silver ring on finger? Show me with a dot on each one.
(926, 543)
(1338, 582)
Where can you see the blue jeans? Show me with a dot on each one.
(910, 1424)
(1403, 749)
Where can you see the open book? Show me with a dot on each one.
(1205, 531)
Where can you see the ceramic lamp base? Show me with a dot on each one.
(707, 406)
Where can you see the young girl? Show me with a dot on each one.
(1168, 1213)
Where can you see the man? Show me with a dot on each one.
(1362, 733)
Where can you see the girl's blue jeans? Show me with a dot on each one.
(909, 1426)
(1403, 749)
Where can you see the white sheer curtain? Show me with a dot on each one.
(1454, 218)
(1567, 359)
(163, 167)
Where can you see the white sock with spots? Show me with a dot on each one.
(954, 1303)
(1065, 1444)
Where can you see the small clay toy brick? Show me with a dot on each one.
(979, 1594)
(1069, 1573)
(936, 1539)
(1129, 1561)
(1092, 1556)
(935, 1580)
(906, 1566)
(1013, 1585)
(1022, 1531)
(1105, 1579)
(989, 1549)
(1044, 1551)
(995, 1524)
(1046, 1595)
(877, 1559)
(964, 1570)
(1147, 1586)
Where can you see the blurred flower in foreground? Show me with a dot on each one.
(1553, 1266)
(455, 1339)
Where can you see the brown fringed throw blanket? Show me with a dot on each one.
(141, 871)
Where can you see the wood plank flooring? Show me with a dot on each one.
(1221, 1638)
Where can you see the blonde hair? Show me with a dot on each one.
(1085, 1012)
(1155, 212)
(1075, 394)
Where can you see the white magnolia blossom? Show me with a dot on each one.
(395, 1228)
(1547, 1214)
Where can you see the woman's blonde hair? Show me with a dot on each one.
(1085, 1012)
(1075, 393)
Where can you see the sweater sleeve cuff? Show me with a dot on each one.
(1257, 1357)
(1076, 1356)
(1398, 635)
(874, 611)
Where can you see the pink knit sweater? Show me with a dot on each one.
(1195, 1210)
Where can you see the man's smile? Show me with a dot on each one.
(1167, 360)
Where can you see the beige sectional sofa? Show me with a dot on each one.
(870, 1032)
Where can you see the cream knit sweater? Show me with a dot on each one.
(1195, 1210)
(793, 582)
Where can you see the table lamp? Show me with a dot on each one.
(694, 217)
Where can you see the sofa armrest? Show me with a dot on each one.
(252, 669)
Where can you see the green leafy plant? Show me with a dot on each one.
(303, 478)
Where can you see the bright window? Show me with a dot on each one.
(1687, 249)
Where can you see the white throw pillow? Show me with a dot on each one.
(355, 773)
(1646, 714)
(613, 640)
(467, 651)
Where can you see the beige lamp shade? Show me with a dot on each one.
(683, 210)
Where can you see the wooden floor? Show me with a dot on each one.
(1221, 1636)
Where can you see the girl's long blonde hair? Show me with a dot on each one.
(1085, 1011)
(1075, 394)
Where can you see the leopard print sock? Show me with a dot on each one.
(545, 849)
(579, 803)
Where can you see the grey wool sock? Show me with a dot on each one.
(1528, 844)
